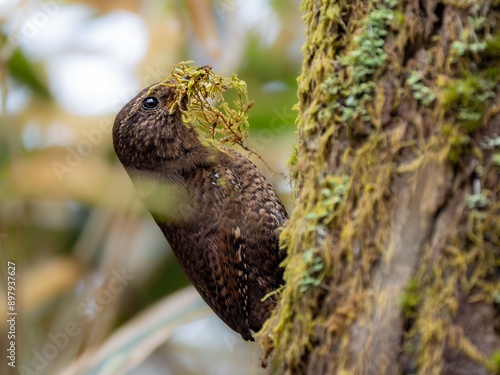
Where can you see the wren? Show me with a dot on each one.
(217, 211)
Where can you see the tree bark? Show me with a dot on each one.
(393, 260)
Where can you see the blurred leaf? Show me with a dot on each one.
(23, 70)
(138, 338)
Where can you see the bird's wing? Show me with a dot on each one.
(235, 261)
(263, 215)
(222, 266)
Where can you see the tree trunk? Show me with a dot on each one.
(394, 243)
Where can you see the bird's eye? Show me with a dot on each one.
(150, 103)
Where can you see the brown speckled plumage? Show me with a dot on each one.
(217, 211)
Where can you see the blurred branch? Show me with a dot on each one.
(204, 25)
(136, 340)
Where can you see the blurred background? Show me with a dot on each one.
(98, 291)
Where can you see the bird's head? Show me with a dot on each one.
(148, 135)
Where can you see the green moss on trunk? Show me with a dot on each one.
(397, 101)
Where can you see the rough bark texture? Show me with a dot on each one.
(394, 245)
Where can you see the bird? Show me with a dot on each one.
(220, 215)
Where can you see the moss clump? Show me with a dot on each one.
(292, 164)
(361, 60)
(332, 192)
(496, 159)
(420, 91)
(469, 41)
(195, 89)
(369, 54)
(493, 46)
(468, 97)
(479, 200)
(314, 266)
(495, 359)
(411, 298)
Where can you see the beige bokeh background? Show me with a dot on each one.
(86, 251)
